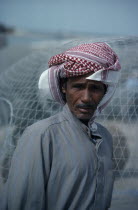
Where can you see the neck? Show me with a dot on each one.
(85, 122)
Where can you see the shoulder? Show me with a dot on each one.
(47, 124)
(39, 134)
(42, 130)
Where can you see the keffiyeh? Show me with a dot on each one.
(86, 58)
(97, 58)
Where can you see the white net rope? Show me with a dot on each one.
(21, 105)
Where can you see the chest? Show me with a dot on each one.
(76, 152)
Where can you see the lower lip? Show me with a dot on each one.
(84, 110)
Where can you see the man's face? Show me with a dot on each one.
(83, 96)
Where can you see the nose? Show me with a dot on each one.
(86, 98)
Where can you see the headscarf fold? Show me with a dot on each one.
(97, 58)
(86, 58)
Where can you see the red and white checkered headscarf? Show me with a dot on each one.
(97, 58)
(86, 58)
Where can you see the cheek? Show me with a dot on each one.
(99, 97)
(96, 98)
(72, 98)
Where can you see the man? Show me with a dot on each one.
(65, 162)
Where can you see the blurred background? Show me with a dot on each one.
(50, 19)
(34, 30)
(34, 24)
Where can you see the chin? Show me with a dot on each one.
(85, 118)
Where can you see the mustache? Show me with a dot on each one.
(86, 106)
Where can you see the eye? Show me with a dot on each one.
(97, 88)
(78, 86)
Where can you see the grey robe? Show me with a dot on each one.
(59, 164)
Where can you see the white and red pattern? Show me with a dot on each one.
(86, 58)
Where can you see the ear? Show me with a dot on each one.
(63, 88)
(63, 85)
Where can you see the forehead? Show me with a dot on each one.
(83, 79)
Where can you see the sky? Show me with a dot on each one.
(115, 17)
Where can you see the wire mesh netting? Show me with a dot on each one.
(21, 105)
(121, 118)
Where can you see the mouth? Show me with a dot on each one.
(84, 110)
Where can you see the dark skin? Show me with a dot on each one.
(83, 96)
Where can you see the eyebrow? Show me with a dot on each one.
(86, 83)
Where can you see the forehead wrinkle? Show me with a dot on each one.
(85, 82)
